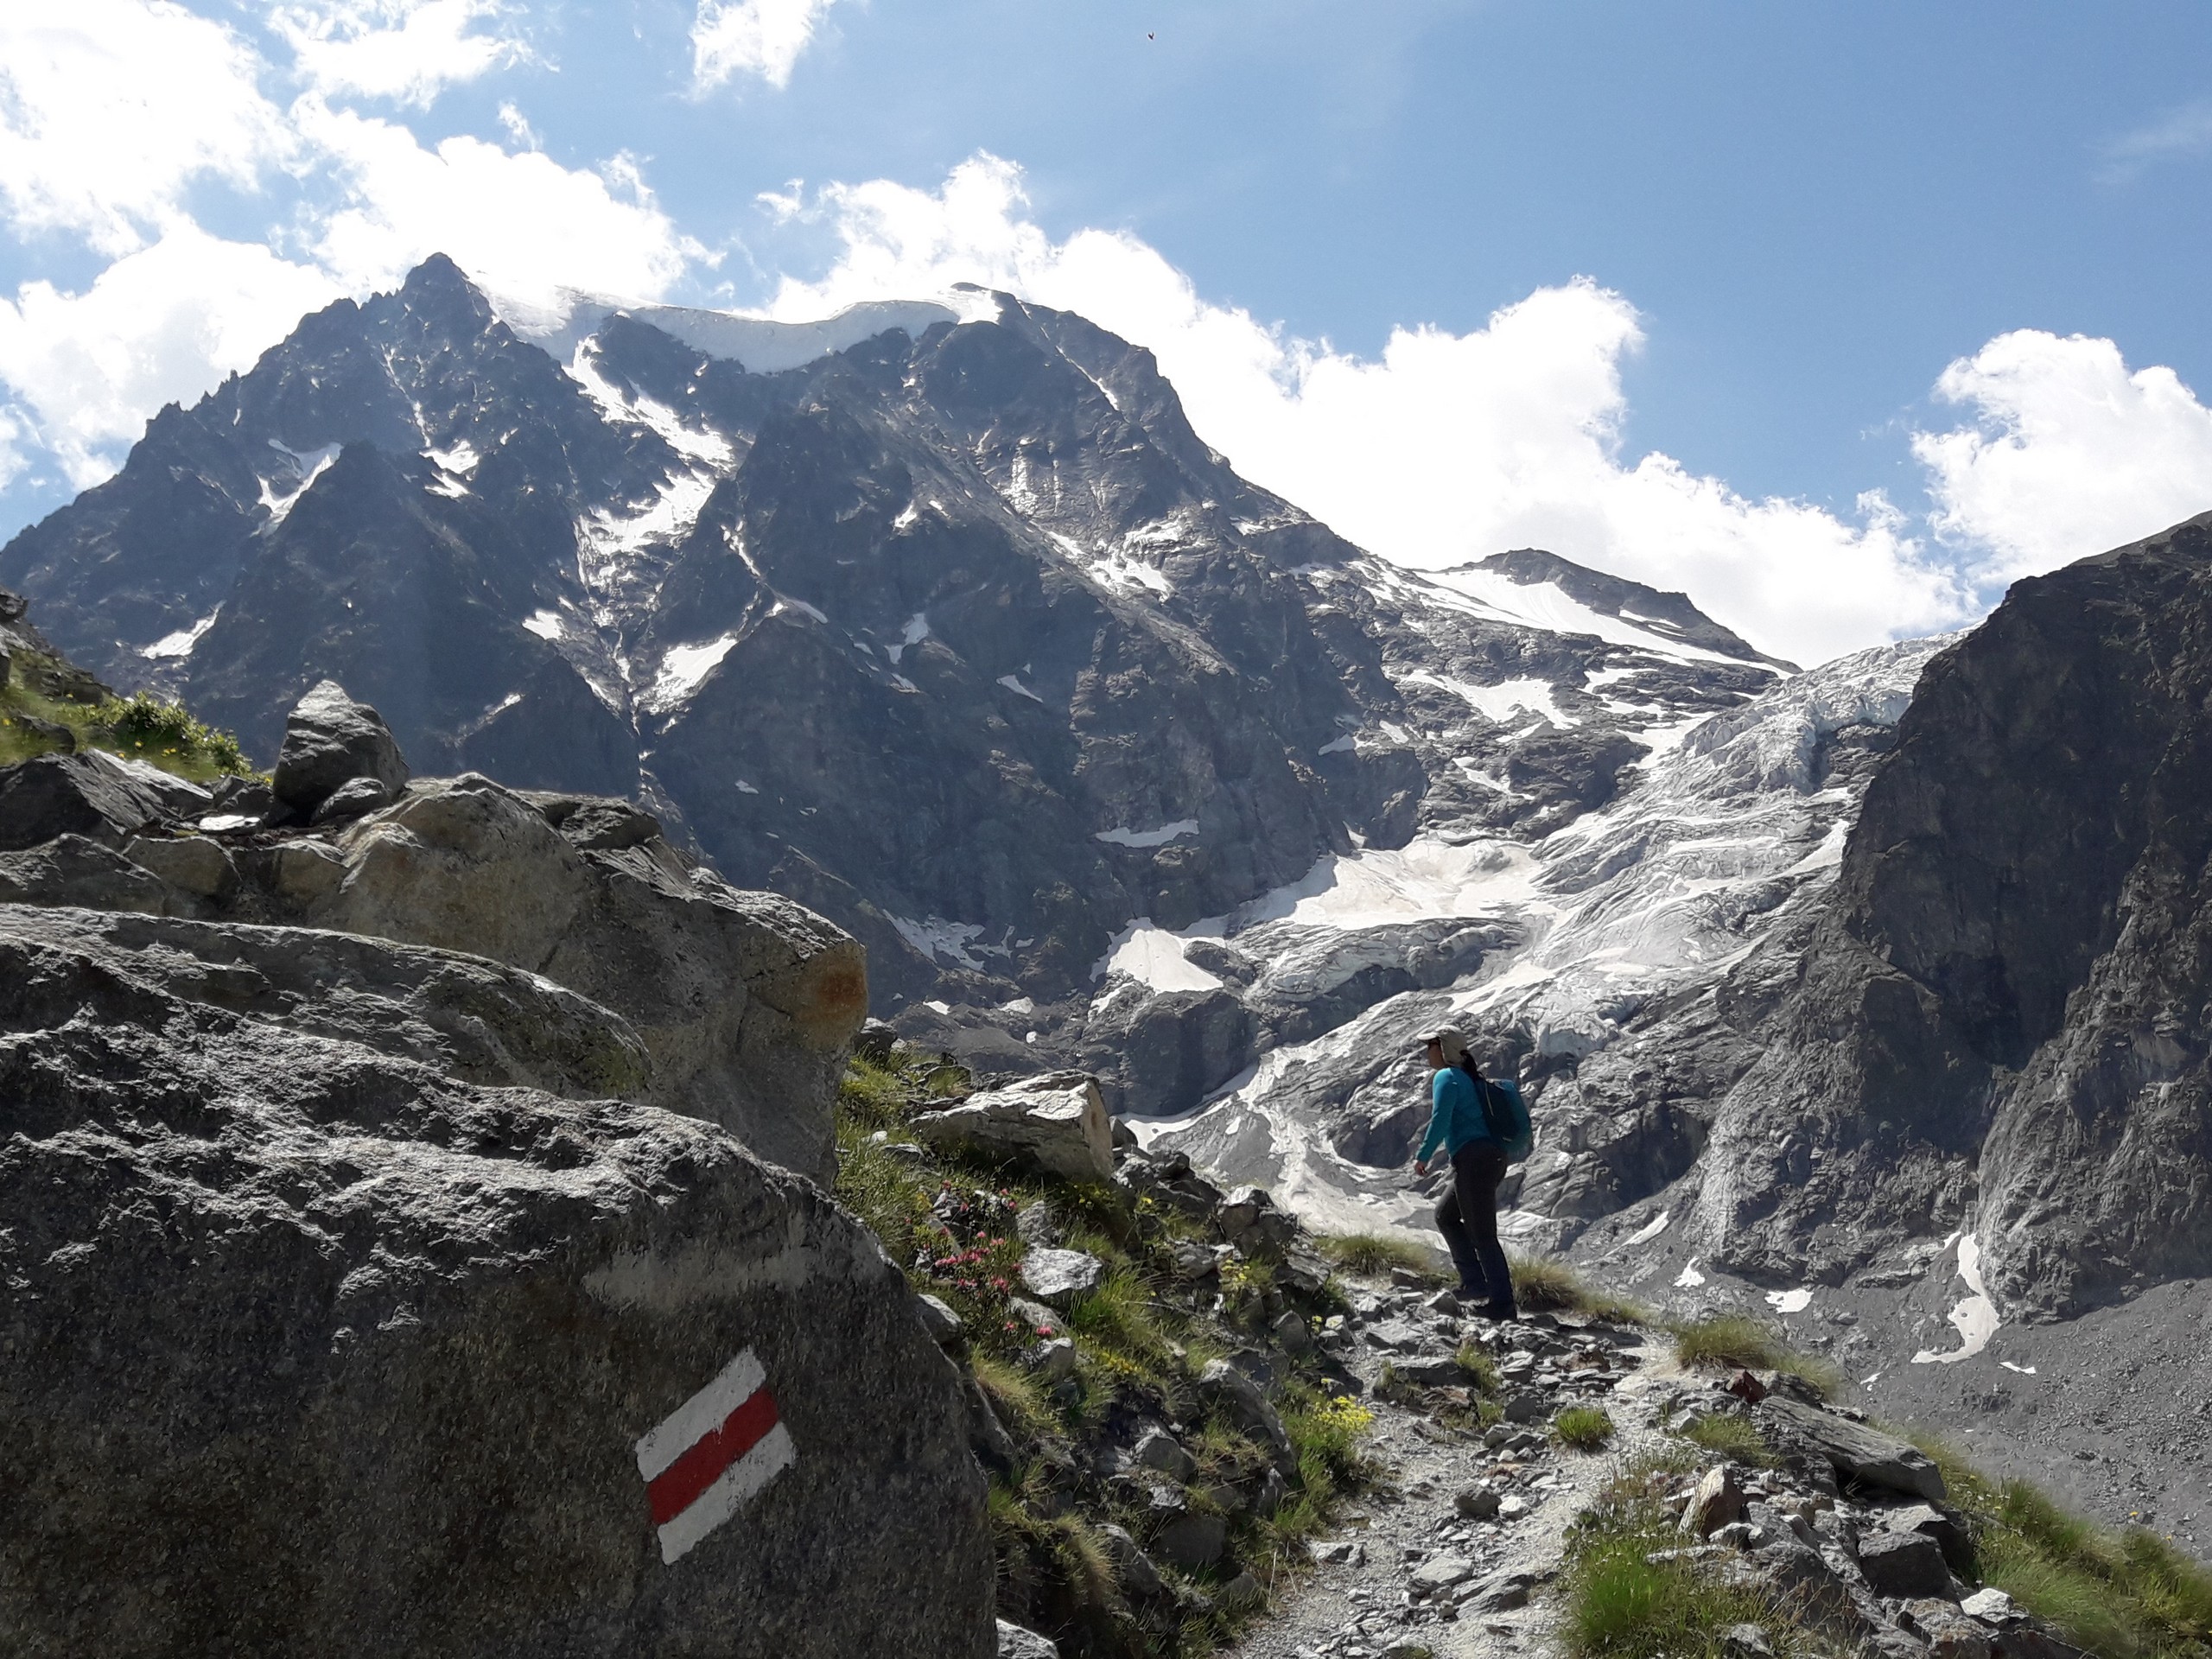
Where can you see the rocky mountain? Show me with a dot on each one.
(946, 625)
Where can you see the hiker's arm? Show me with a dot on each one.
(1439, 1117)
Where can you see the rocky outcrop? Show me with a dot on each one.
(745, 1003)
(330, 742)
(334, 1331)
(96, 794)
(1056, 1122)
(1999, 1021)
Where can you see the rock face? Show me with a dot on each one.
(1999, 1018)
(332, 743)
(334, 1331)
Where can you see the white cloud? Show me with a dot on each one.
(1448, 447)
(2178, 134)
(2071, 454)
(113, 110)
(752, 37)
(110, 110)
(163, 323)
(521, 222)
(407, 50)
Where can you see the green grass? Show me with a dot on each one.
(140, 727)
(1481, 1369)
(1372, 1255)
(1584, 1427)
(2128, 1595)
(1729, 1436)
(1731, 1342)
(1141, 1345)
(1619, 1605)
(1544, 1283)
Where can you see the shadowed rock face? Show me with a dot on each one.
(2001, 1018)
(317, 1346)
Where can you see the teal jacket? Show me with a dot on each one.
(1456, 1114)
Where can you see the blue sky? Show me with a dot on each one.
(1672, 288)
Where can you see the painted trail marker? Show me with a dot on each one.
(712, 1455)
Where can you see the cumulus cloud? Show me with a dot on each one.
(2070, 454)
(161, 324)
(406, 50)
(517, 220)
(752, 37)
(110, 110)
(1447, 447)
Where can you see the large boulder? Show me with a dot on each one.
(1057, 1122)
(747, 1002)
(1852, 1449)
(316, 1343)
(331, 741)
(93, 794)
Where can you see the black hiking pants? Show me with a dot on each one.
(1467, 1216)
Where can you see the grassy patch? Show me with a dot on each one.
(2128, 1595)
(1372, 1255)
(1732, 1343)
(1727, 1435)
(1584, 1427)
(1481, 1369)
(1546, 1283)
(140, 727)
(1621, 1605)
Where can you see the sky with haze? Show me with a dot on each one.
(1839, 317)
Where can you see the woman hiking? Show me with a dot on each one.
(1467, 1214)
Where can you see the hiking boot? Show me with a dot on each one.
(1502, 1312)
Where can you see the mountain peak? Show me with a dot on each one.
(1672, 614)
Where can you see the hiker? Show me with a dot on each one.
(1467, 1214)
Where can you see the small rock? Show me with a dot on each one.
(1903, 1564)
(1477, 1502)
(1502, 1592)
(1131, 1565)
(1014, 1643)
(1512, 1507)
(1399, 1335)
(1950, 1537)
(351, 799)
(1053, 1359)
(1035, 1316)
(1751, 1391)
(1240, 1593)
(1406, 1279)
(1990, 1606)
(1717, 1501)
(1740, 1534)
(1745, 1642)
(1429, 1370)
(875, 1041)
(1192, 1541)
(1057, 1122)
(1440, 1573)
(1157, 1449)
(1274, 1492)
(1291, 1333)
(1238, 1395)
(1059, 1276)
(938, 1317)
(1528, 1407)
(191, 864)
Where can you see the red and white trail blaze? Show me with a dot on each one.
(712, 1455)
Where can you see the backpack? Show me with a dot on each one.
(1507, 1115)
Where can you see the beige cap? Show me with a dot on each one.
(1448, 1038)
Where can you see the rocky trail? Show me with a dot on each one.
(1452, 1556)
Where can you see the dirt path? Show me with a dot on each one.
(1410, 1575)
